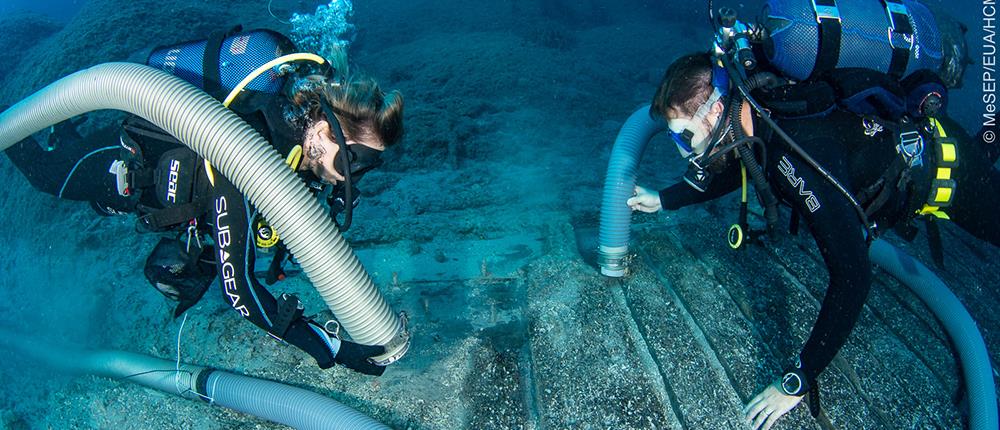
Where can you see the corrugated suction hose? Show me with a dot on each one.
(957, 322)
(269, 400)
(243, 156)
(619, 184)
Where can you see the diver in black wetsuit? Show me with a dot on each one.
(327, 127)
(854, 149)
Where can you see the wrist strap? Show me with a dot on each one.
(795, 383)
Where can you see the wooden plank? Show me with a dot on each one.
(587, 366)
(702, 387)
(783, 312)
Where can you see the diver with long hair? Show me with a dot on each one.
(330, 128)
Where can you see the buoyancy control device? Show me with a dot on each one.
(885, 58)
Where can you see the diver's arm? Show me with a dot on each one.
(235, 260)
(840, 237)
(681, 194)
(831, 219)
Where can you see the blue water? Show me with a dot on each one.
(61, 11)
(480, 227)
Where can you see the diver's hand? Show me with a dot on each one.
(765, 409)
(355, 356)
(644, 200)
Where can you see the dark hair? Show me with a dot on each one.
(686, 85)
(362, 108)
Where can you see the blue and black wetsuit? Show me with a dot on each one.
(231, 216)
(79, 170)
(839, 143)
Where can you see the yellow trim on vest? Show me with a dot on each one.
(943, 190)
(948, 153)
(944, 173)
(942, 195)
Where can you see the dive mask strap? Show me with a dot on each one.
(343, 159)
(683, 139)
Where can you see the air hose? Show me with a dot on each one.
(243, 156)
(766, 80)
(270, 400)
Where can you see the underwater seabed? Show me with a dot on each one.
(512, 329)
(480, 227)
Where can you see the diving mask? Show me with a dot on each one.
(360, 159)
(690, 135)
(353, 161)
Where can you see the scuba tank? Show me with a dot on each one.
(897, 37)
(218, 64)
(888, 58)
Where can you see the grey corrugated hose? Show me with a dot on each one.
(243, 156)
(270, 400)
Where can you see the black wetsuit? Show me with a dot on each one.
(75, 171)
(839, 144)
(79, 170)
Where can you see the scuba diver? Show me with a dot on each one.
(849, 167)
(331, 130)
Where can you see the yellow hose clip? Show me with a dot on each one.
(736, 236)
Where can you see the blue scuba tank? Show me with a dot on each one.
(219, 63)
(871, 33)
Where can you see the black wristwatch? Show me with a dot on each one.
(795, 382)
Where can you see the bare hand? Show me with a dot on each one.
(765, 409)
(644, 200)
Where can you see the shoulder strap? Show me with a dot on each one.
(210, 61)
(900, 36)
(828, 18)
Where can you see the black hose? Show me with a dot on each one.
(766, 80)
(767, 198)
(747, 140)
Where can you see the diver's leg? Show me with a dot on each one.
(75, 169)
